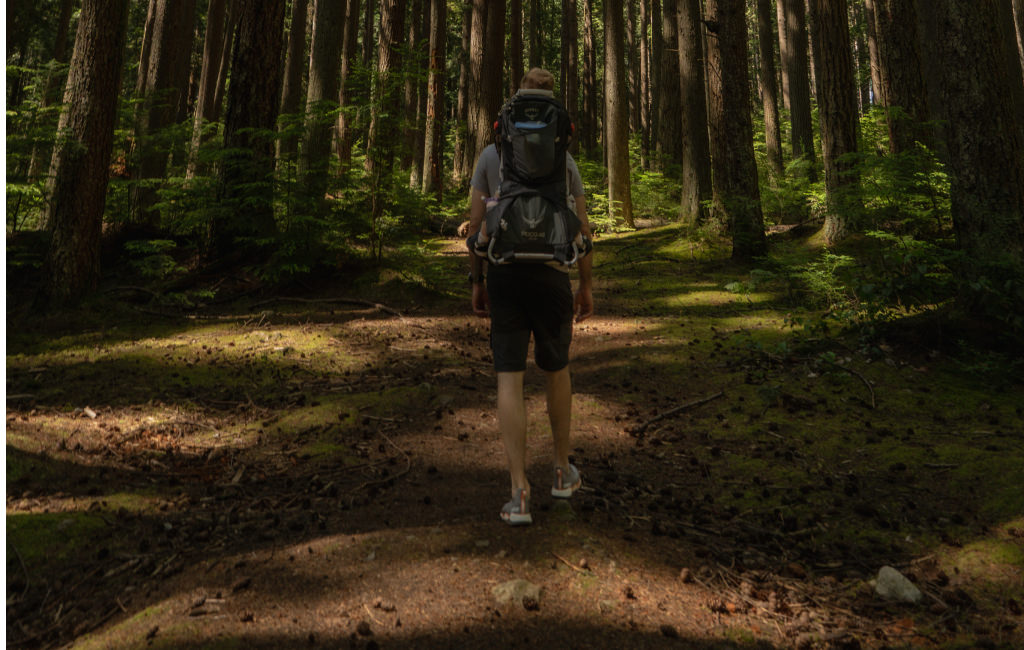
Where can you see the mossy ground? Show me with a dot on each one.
(140, 448)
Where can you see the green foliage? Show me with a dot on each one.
(152, 258)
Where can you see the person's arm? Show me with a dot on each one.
(583, 303)
(476, 265)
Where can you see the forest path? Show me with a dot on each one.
(307, 473)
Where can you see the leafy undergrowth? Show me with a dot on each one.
(324, 468)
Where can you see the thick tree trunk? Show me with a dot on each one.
(696, 167)
(368, 40)
(769, 91)
(295, 63)
(491, 86)
(322, 95)
(433, 153)
(983, 134)
(590, 126)
(737, 198)
(347, 95)
(213, 45)
(645, 84)
(476, 106)
(633, 71)
(669, 141)
(80, 166)
(837, 103)
(899, 72)
(796, 64)
(536, 32)
(160, 84)
(251, 116)
(570, 80)
(225, 59)
(616, 116)
(780, 20)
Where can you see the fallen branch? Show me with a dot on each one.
(346, 301)
(569, 564)
(858, 376)
(677, 410)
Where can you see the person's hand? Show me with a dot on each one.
(583, 305)
(481, 303)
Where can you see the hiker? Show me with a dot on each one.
(523, 298)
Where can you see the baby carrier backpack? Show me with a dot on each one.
(531, 220)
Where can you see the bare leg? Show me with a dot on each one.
(559, 394)
(512, 424)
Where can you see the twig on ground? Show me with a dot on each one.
(679, 409)
(858, 376)
(569, 564)
(346, 301)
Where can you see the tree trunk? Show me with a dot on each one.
(983, 134)
(1013, 54)
(295, 61)
(491, 85)
(633, 71)
(462, 169)
(322, 92)
(863, 57)
(590, 126)
(347, 96)
(515, 44)
(536, 29)
(570, 81)
(669, 142)
(54, 82)
(616, 116)
(213, 45)
(796, 65)
(873, 52)
(696, 168)
(368, 39)
(769, 91)
(899, 72)
(251, 117)
(837, 103)
(433, 153)
(80, 166)
(225, 59)
(415, 71)
(1018, 21)
(386, 108)
(737, 198)
(645, 85)
(160, 85)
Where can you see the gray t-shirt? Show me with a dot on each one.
(485, 176)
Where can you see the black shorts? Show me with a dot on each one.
(525, 299)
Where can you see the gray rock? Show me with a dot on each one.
(894, 585)
(516, 591)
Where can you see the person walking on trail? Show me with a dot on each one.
(530, 298)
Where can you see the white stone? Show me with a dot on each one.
(515, 591)
(894, 585)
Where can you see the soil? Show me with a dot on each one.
(306, 472)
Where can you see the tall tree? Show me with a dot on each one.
(433, 154)
(590, 97)
(669, 142)
(54, 82)
(899, 72)
(462, 156)
(160, 85)
(1018, 21)
(616, 116)
(873, 53)
(346, 94)
(795, 63)
(247, 188)
(696, 168)
(645, 84)
(861, 56)
(491, 85)
(79, 169)
(515, 44)
(1008, 33)
(737, 198)
(415, 91)
(322, 94)
(225, 58)
(986, 155)
(570, 80)
(769, 89)
(837, 103)
(536, 35)
(295, 61)
(633, 69)
(380, 149)
(213, 44)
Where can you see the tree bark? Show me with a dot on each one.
(1018, 21)
(491, 85)
(769, 91)
(462, 169)
(590, 126)
(633, 71)
(79, 169)
(515, 44)
(899, 73)
(247, 187)
(986, 154)
(570, 80)
(645, 84)
(347, 96)
(796, 64)
(780, 20)
(225, 59)
(213, 45)
(873, 52)
(536, 29)
(41, 152)
(368, 39)
(837, 102)
(696, 158)
(616, 112)
(669, 142)
(322, 92)
(1013, 54)
(433, 153)
(862, 58)
(160, 84)
(737, 197)
(295, 61)
(415, 93)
